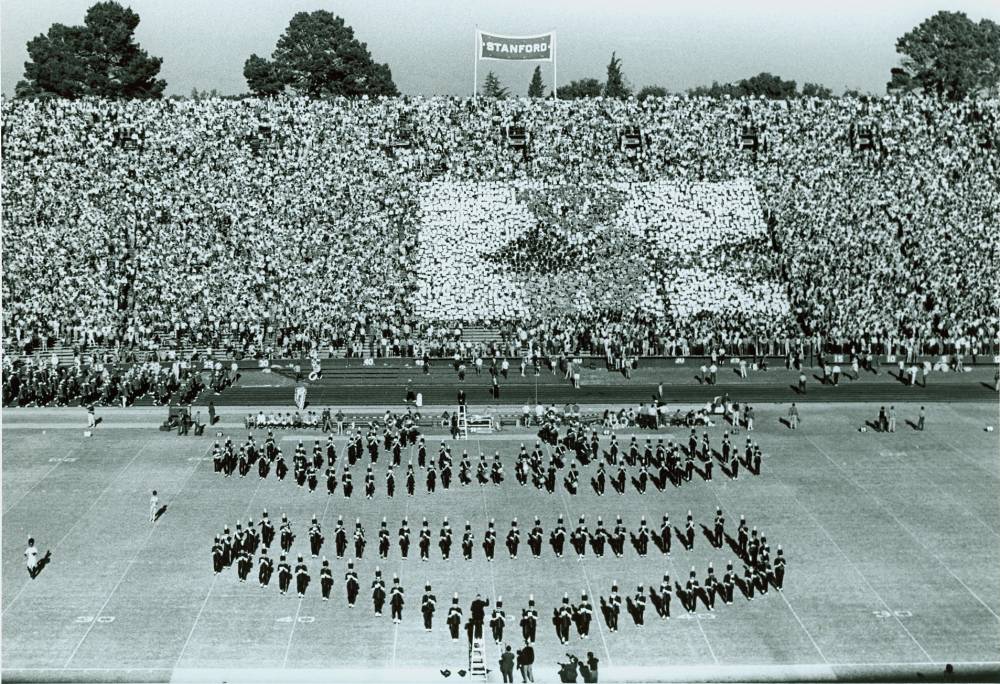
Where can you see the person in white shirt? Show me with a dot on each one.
(154, 506)
(31, 558)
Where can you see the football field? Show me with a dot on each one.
(892, 541)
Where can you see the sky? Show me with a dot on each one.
(429, 44)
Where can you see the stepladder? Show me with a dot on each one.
(477, 660)
(463, 421)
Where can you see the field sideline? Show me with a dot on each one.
(893, 546)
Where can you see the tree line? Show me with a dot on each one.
(947, 55)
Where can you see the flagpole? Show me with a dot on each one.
(555, 68)
(475, 62)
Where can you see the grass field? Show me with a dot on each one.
(892, 540)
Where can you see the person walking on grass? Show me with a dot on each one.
(920, 419)
(31, 558)
(154, 506)
(793, 416)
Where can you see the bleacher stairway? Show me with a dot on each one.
(479, 335)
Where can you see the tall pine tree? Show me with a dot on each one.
(615, 86)
(949, 55)
(493, 88)
(536, 88)
(318, 55)
(100, 59)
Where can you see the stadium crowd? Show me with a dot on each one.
(275, 227)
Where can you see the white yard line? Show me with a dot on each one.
(675, 576)
(406, 514)
(211, 586)
(715, 493)
(852, 564)
(586, 578)
(291, 632)
(37, 482)
(493, 579)
(295, 621)
(994, 477)
(899, 522)
(152, 528)
(799, 620)
(958, 503)
(78, 520)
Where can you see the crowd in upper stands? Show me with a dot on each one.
(284, 226)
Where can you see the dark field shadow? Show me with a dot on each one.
(46, 559)
(159, 513)
(682, 538)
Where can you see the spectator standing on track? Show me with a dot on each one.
(507, 665)
(802, 382)
(526, 659)
(588, 669)
(567, 671)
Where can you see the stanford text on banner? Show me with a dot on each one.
(525, 48)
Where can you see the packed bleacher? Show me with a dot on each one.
(280, 227)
